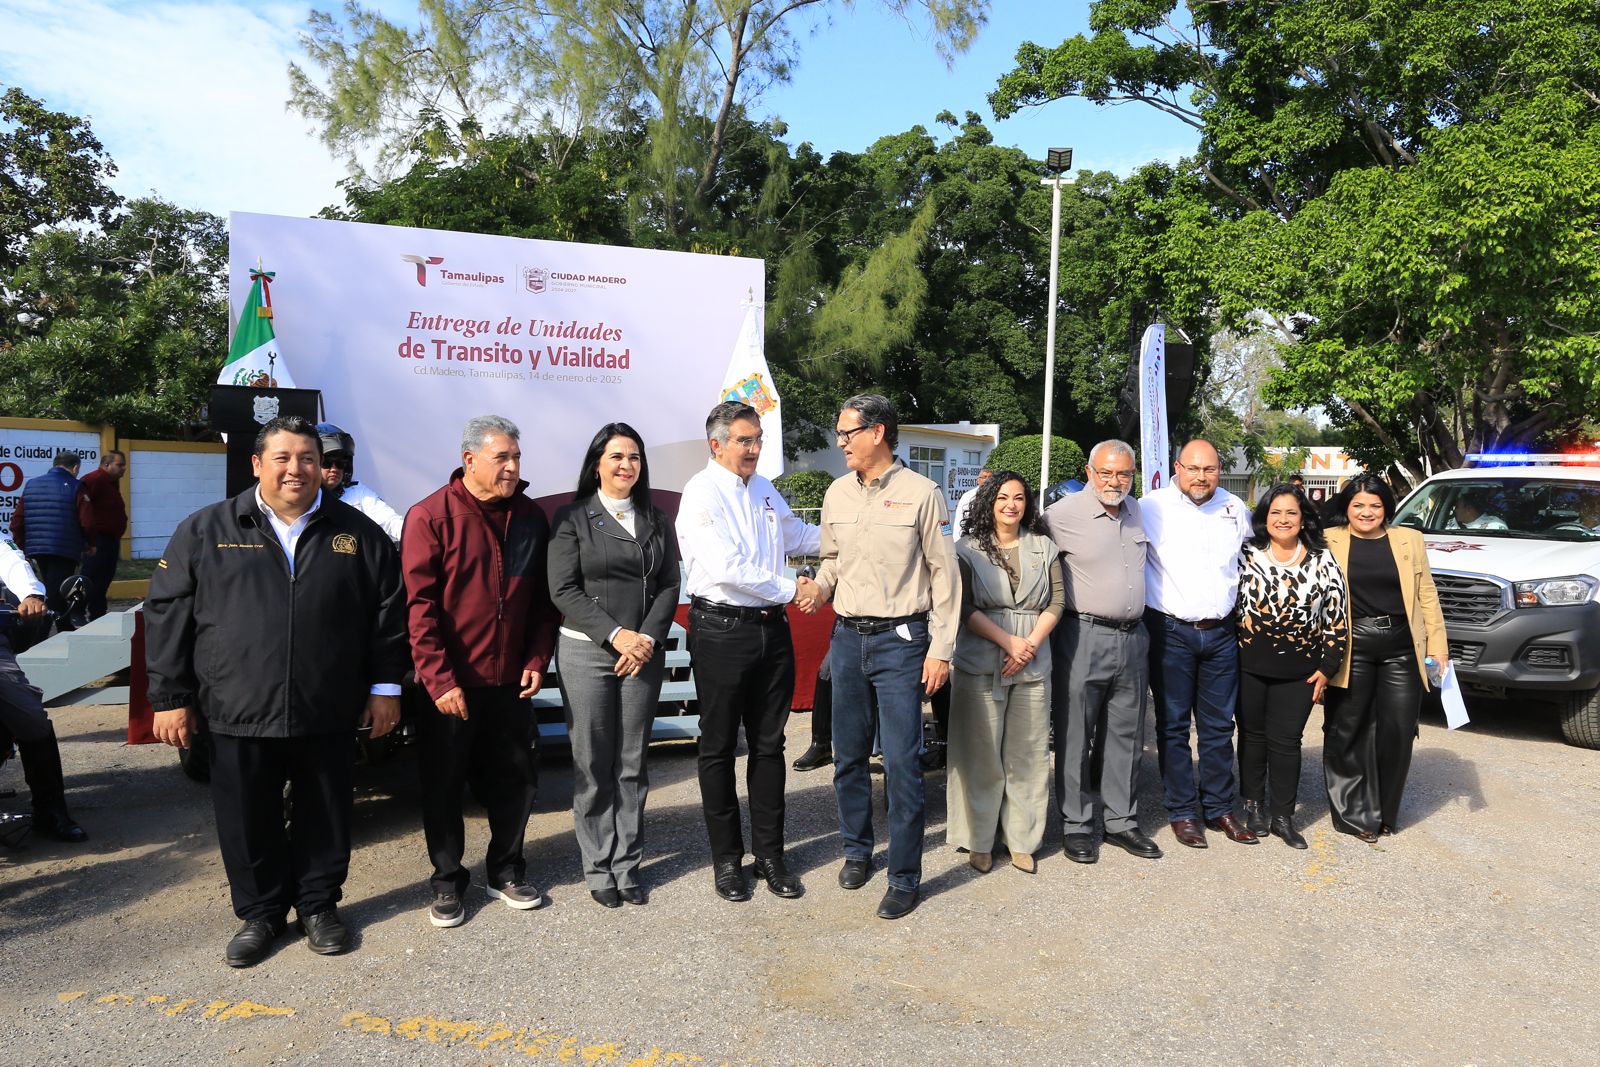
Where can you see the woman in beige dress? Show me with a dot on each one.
(1011, 598)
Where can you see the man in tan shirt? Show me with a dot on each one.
(889, 567)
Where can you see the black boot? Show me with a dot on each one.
(1283, 827)
(41, 766)
(1255, 817)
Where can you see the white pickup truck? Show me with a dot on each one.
(1514, 543)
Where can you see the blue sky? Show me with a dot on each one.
(188, 98)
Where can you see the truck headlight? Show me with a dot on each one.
(1555, 592)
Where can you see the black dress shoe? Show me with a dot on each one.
(1386, 830)
(325, 934)
(897, 903)
(1255, 817)
(609, 897)
(932, 758)
(59, 825)
(730, 880)
(818, 755)
(778, 878)
(1188, 832)
(854, 873)
(252, 943)
(1283, 827)
(1080, 848)
(1134, 843)
(1230, 826)
(633, 894)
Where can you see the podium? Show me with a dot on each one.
(240, 411)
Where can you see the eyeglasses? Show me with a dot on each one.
(843, 436)
(1195, 472)
(1114, 476)
(750, 442)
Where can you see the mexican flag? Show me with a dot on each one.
(253, 357)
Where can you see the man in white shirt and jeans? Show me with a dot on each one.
(1196, 529)
(734, 533)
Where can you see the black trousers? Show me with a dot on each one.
(1369, 729)
(271, 868)
(744, 676)
(53, 570)
(493, 746)
(100, 569)
(1272, 718)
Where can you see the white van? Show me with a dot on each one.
(1514, 543)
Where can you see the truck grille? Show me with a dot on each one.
(1550, 657)
(1468, 600)
(1465, 653)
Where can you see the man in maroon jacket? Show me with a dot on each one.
(104, 518)
(482, 632)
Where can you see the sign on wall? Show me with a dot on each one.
(409, 332)
(28, 451)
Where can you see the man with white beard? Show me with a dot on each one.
(1101, 669)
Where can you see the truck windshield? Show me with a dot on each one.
(1549, 509)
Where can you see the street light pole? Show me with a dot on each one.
(1057, 161)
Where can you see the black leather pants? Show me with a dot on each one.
(1369, 728)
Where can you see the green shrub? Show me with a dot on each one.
(1022, 454)
(804, 489)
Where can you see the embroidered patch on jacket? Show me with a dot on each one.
(899, 503)
(344, 544)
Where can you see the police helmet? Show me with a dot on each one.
(335, 439)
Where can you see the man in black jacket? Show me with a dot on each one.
(279, 615)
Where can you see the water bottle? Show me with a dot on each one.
(1435, 675)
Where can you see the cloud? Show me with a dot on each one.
(187, 98)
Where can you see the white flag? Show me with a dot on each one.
(1153, 447)
(750, 382)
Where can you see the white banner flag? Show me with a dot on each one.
(750, 382)
(410, 332)
(1154, 451)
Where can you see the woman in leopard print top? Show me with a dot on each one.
(1293, 614)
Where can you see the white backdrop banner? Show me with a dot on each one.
(409, 333)
(1154, 461)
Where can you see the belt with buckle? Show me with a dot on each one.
(1377, 622)
(1205, 624)
(733, 611)
(1127, 626)
(866, 625)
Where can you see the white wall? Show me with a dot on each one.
(164, 488)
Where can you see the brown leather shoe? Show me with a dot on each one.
(1229, 824)
(1188, 832)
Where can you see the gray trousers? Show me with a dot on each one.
(1101, 690)
(608, 723)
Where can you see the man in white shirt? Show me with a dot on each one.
(338, 480)
(1196, 529)
(958, 521)
(734, 533)
(22, 713)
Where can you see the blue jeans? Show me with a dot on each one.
(889, 666)
(1194, 673)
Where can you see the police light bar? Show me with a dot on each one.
(1515, 459)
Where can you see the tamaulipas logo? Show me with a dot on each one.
(752, 391)
(451, 277)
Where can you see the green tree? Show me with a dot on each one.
(1404, 187)
(125, 325)
(1025, 455)
(53, 170)
(472, 66)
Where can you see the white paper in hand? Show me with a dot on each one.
(1455, 709)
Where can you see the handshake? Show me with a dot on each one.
(807, 595)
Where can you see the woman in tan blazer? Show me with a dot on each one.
(1370, 711)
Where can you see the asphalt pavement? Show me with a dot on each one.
(1468, 938)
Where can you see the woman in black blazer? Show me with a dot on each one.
(614, 578)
